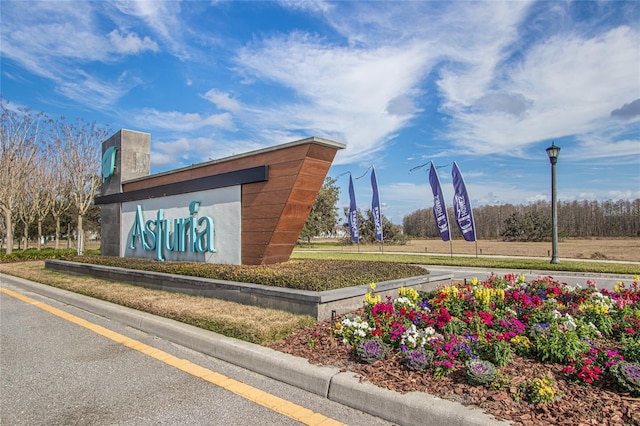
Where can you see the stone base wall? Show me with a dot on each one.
(319, 305)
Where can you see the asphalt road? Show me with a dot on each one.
(54, 371)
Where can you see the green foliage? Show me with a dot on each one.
(627, 375)
(35, 254)
(631, 347)
(480, 372)
(392, 234)
(554, 345)
(541, 390)
(313, 275)
(498, 352)
(418, 359)
(323, 216)
(370, 350)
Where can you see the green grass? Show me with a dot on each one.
(477, 262)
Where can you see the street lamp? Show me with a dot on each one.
(553, 151)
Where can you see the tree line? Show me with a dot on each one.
(532, 222)
(49, 170)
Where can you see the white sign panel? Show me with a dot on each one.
(200, 226)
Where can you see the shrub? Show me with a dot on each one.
(418, 359)
(627, 375)
(631, 347)
(499, 352)
(541, 390)
(555, 345)
(480, 372)
(370, 350)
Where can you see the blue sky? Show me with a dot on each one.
(488, 85)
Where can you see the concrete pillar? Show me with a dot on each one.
(132, 160)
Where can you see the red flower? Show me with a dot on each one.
(486, 317)
(443, 317)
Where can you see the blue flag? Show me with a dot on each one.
(353, 214)
(375, 206)
(462, 206)
(439, 207)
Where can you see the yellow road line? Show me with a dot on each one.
(272, 402)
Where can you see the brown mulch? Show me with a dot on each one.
(574, 405)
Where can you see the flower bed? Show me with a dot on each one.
(560, 337)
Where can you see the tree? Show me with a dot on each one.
(42, 193)
(390, 232)
(19, 131)
(324, 213)
(79, 146)
(27, 205)
(60, 199)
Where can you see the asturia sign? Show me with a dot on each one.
(199, 226)
(194, 234)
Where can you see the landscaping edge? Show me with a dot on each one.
(317, 304)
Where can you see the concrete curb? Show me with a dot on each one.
(345, 388)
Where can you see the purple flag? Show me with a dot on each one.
(353, 214)
(375, 206)
(439, 208)
(462, 206)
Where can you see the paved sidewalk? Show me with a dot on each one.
(415, 408)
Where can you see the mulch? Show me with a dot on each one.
(575, 404)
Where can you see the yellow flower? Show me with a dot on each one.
(372, 286)
(450, 291)
(521, 341)
(409, 293)
(371, 299)
(474, 281)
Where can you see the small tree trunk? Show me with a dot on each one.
(39, 243)
(80, 237)
(26, 236)
(9, 226)
(57, 232)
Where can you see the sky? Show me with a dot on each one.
(489, 85)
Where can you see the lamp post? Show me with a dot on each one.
(553, 152)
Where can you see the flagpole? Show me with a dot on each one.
(376, 213)
(440, 213)
(462, 207)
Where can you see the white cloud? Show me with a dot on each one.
(571, 82)
(188, 151)
(163, 19)
(178, 121)
(222, 100)
(342, 93)
(61, 41)
(130, 43)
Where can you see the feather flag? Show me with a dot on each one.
(462, 206)
(375, 206)
(353, 214)
(439, 208)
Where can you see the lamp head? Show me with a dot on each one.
(553, 151)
